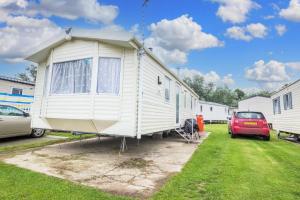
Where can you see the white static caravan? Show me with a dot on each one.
(286, 109)
(213, 112)
(104, 83)
(258, 104)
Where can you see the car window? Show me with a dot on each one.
(10, 111)
(249, 115)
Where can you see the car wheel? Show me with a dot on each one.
(267, 138)
(233, 135)
(38, 132)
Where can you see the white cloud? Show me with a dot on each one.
(212, 77)
(23, 25)
(294, 65)
(209, 77)
(235, 11)
(20, 3)
(273, 74)
(228, 80)
(172, 40)
(90, 10)
(291, 13)
(238, 33)
(273, 71)
(257, 30)
(247, 33)
(22, 33)
(281, 29)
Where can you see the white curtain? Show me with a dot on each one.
(82, 78)
(109, 75)
(71, 77)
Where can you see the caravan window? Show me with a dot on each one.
(287, 101)
(191, 102)
(201, 108)
(211, 108)
(71, 77)
(276, 106)
(17, 91)
(109, 71)
(167, 88)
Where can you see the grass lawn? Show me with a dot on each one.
(241, 168)
(222, 168)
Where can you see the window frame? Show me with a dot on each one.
(19, 89)
(120, 80)
(278, 111)
(167, 80)
(288, 101)
(71, 94)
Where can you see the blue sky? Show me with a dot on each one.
(250, 44)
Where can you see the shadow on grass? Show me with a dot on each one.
(16, 138)
(250, 137)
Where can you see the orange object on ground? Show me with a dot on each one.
(200, 123)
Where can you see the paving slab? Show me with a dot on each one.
(139, 171)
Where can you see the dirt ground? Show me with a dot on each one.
(137, 172)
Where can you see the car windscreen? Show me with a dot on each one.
(249, 115)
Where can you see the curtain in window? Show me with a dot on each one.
(109, 75)
(71, 77)
(82, 76)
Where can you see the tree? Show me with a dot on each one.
(240, 94)
(29, 74)
(263, 93)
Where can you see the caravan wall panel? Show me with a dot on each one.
(157, 113)
(288, 120)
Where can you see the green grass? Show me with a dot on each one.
(35, 144)
(221, 168)
(21, 184)
(242, 168)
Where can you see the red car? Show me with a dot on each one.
(249, 123)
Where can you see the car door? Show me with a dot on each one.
(13, 121)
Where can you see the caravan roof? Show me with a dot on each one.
(122, 38)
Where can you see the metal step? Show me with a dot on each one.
(194, 137)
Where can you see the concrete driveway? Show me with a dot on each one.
(137, 172)
(23, 140)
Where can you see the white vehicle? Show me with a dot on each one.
(98, 82)
(15, 122)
